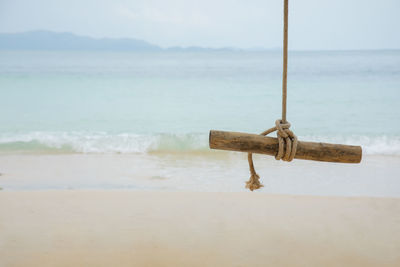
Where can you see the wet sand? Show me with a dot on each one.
(126, 228)
(376, 176)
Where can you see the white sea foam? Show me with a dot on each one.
(371, 145)
(101, 142)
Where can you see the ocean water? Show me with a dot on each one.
(140, 121)
(126, 102)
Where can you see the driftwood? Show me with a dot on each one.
(254, 143)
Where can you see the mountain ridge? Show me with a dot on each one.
(49, 40)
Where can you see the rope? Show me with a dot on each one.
(285, 58)
(287, 140)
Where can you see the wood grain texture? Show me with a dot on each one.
(254, 143)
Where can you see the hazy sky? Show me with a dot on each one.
(313, 24)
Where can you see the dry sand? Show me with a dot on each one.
(122, 228)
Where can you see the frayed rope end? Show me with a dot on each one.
(254, 182)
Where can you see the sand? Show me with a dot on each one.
(126, 228)
(376, 176)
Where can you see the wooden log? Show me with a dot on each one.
(254, 143)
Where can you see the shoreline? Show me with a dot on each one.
(375, 176)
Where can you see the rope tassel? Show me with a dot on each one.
(254, 182)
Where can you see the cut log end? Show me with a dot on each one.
(253, 143)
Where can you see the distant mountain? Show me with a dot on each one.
(202, 49)
(47, 40)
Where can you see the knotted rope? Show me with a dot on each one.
(287, 140)
(287, 147)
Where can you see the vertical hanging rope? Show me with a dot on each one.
(287, 140)
(285, 58)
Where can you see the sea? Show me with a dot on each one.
(149, 103)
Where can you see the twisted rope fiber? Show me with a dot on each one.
(287, 140)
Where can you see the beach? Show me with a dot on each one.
(127, 210)
(122, 228)
(105, 161)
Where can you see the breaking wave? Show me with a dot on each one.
(101, 142)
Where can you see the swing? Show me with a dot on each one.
(286, 146)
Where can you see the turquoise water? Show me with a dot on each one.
(118, 102)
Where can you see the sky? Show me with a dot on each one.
(313, 24)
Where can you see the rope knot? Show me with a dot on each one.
(282, 128)
(287, 141)
(287, 147)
